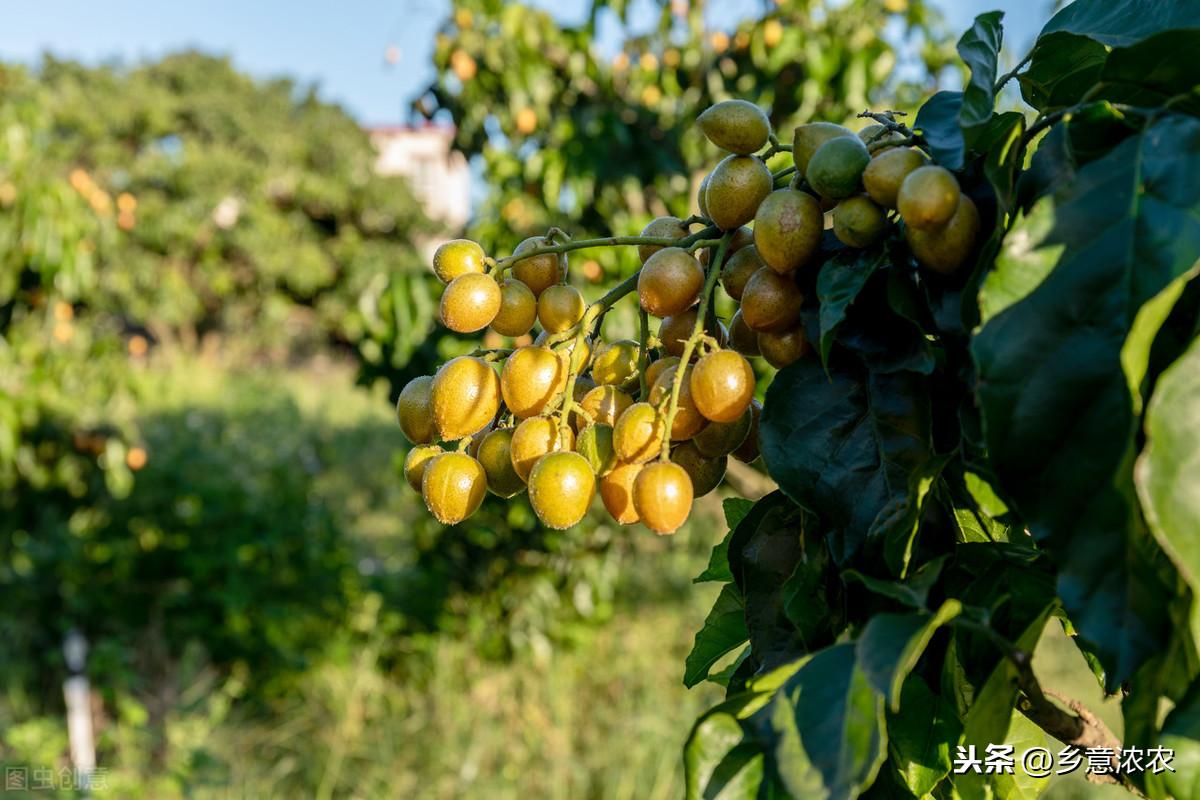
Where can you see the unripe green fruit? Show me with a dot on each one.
(858, 222)
(413, 410)
(518, 309)
(787, 229)
(701, 200)
(470, 303)
(735, 189)
(808, 138)
(660, 228)
(453, 487)
(884, 175)
(457, 257)
(928, 197)
(706, 474)
(495, 454)
(670, 282)
(722, 438)
(616, 364)
(561, 487)
(735, 125)
(559, 307)
(595, 443)
(835, 169)
(783, 348)
(947, 248)
(748, 451)
(539, 272)
(415, 462)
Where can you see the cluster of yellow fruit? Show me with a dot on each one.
(652, 424)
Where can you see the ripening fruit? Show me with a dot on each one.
(457, 257)
(835, 169)
(567, 348)
(858, 222)
(638, 433)
(670, 282)
(735, 125)
(662, 496)
(559, 307)
(532, 377)
(412, 410)
(616, 364)
(722, 438)
(518, 309)
(453, 486)
(884, 175)
(741, 338)
(771, 302)
(470, 303)
(706, 474)
(701, 202)
(415, 461)
(464, 398)
(676, 330)
(787, 229)
(783, 348)
(945, 249)
(595, 443)
(656, 368)
(495, 454)
(748, 450)
(735, 189)
(808, 138)
(688, 419)
(742, 237)
(872, 137)
(561, 487)
(616, 490)
(660, 228)
(738, 268)
(540, 272)
(534, 438)
(928, 197)
(476, 441)
(605, 404)
(722, 384)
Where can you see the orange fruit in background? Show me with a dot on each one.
(928, 197)
(781, 349)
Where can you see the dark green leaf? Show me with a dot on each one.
(1120, 23)
(937, 122)
(1154, 70)
(723, 676)
(1023, 263)
(1055, 376)
(724, 629)
(1181, 733)
(719, 762)
(979, 49)
(839, 282)
(921, 737)
(736, 509)
(890, 645)
(912, 592)
(847, 448)
(1064, 68)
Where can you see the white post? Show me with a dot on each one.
(78, 698)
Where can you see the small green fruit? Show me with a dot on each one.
(835, 169)
(736, 125)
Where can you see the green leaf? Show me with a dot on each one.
(903, 526)
(846, 447)
(1023, 263)
(1054, 389)
(841, 279)
(719, 762)
(724, 630)
(1154, 70)
(824, 730)
(1181, 733)
(1063, 69)
(912, 592)
(937, 122)
(1120, 23)
(979, 49)
(891, 644)
(736, 509)
(921, 737)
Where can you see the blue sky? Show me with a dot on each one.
(339, 46)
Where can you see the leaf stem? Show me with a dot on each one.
(643, 351)
(1008, 76)
(610, 241)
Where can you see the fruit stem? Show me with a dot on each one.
(610, 241)
(643, 351)
(492, 355)
(714, 270)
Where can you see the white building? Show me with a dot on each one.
(439, 175)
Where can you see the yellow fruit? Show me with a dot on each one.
(741, 338)
(688, 419)
(532, 377)
(518, 309)
(561, 487)
(947, 248)
(605, 404)
(670, 282)
(771, 302)
(534, 438)
(835, 169)
(412, 410)
(616, 364)
(616, 490)
(457, 257)
(737, 186)
(415, 462)
(567, 348)
(539, 272)
(783, 348)
(787, 229)
(661, 228)
(722, 385)
(595, 443)
(722, 438)
(495, 454)
(453, 486)
(470, 303)
(735, 125)
(662, 496)
(637, 435)
(884, 175)
(559, 307)
(656, 368)
(738, 268)
(464, 398)
(858, 222)
(748, 450)
(705, 474)
(808, 138)
(928, 197)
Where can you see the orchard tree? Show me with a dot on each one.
(986, 331)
